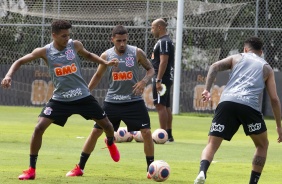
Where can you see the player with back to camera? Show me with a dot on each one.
(239, 105)
(71, 94)
(163, 63)
(123, 100)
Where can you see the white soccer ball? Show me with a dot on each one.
(137, 136)
(122, 135)
(160, 136)
(117, 137)
(159, 170)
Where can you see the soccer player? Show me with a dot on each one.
(239, 105)
(123, 101)
(71, 94)
(163, 63)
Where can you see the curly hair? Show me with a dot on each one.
(58, 25)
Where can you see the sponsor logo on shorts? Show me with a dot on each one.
(47, 111)
(216, 127)
(254, 127)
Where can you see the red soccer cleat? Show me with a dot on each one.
(113, 151)
(75, 172)
(28, 174)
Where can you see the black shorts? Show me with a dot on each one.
(230, 115)
(133, 114)
(59, 111)
(165, 99)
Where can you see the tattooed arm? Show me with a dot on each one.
(224, 64)
(138, 88)
(147, 65)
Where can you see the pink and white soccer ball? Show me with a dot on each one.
(128, 136)
(123, 135)
(137, 136)
(160, 136)
(159, 170)
(117, 137)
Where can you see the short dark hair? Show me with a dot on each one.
(255, 43)
(58, 25)
(119, 29)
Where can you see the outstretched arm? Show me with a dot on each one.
(35, 54)
(138, 88)
(98, 74)
(91, 56)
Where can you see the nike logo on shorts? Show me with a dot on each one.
(144, 124)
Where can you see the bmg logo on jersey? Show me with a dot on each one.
(216, 127)
(122, 76)
(254, 127)
(65, 70)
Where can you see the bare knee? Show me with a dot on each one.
(146, 133)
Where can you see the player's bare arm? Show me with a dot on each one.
(147, 65)
(35, 54)
(274, 99)
(138, 88)
(98, 74)
(224, 64)
(91, 56)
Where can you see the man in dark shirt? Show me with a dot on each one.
(163, 63)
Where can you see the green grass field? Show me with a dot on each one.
(62, 146)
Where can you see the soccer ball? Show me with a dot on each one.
(117, 137)
(159, 170)
(160, 136)
(123, 135)
(128, 136)
(137, 136)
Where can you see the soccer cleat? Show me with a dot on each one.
(75, 172)
(148, 175)
(171, 139)
(200, 178)
(28, 174)
(113, 151)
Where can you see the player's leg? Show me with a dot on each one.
(261, 144)
(207, 157)
(163, 116)
(136, 117)
(148, 145)
(35, 145)
(88, 148)
(169, 125)
(169, 113)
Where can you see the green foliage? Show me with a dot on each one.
(62, 147)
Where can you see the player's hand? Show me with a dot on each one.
(139, 87)
(206, 96)
(279, 132)
(159, 87)
(113, 62)
(6, 82)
